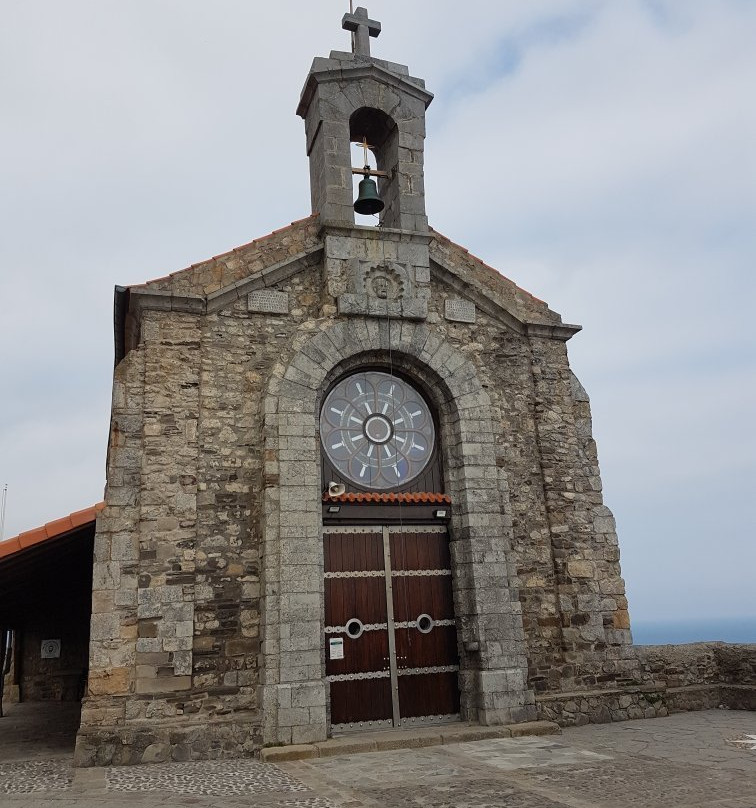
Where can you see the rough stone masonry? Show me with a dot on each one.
(207, 627)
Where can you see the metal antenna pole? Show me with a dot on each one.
(2, 512)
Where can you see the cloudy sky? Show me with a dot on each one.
(599, 152)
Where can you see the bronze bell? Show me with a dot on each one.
(368, 201)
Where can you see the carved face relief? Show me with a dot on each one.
(381, 286)
(384, 283)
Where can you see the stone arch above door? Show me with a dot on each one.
(494, 666)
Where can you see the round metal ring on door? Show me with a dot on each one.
(354, 628)
(425, 624)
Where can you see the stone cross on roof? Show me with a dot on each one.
(362, 28)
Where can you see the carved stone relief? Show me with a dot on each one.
(385, 289)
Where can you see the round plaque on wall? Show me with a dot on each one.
(377, 430)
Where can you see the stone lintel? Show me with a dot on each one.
(406, 308)
(334, 228)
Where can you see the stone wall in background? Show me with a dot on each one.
(61, 678)
(699, 676)
(674, 678)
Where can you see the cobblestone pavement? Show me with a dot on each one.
(692, 760)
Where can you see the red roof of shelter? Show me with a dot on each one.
(51, 530)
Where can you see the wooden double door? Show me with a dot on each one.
(390, 633)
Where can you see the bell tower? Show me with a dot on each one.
(356, 98)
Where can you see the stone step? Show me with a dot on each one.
(414, 738)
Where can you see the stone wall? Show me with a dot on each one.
(212, 514)
(701, 676)
(673, 678)
(58, 679)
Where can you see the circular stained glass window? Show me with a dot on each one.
(377, 430)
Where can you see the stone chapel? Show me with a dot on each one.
(351, 481)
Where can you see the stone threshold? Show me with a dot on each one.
(414, 738)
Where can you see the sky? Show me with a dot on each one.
(600, 153)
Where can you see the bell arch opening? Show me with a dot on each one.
(382, 135)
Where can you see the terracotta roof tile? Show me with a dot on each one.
(49, 531)
(419, 498)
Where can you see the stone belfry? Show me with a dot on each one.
(351, 96)
(351, 477)
(354, 98)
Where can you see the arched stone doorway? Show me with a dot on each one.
(492, 676)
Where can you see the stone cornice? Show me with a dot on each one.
(376, 233)
(562, 332)
(360, 70)
(556, 331)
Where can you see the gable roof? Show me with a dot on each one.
(217, 282)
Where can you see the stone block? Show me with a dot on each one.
(164, 684)
(105, 626)
(293, 717)
(621, 619)
(149, 645)
(313, 731)
(581, 569)
(308, 696)
(156, 753)
(182, 662)
(111, 682)
(280, 754)
(106, 575)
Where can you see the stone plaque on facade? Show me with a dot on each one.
(459, 311)
(267, 302)
(50, 649)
